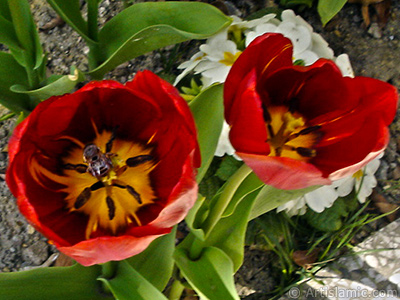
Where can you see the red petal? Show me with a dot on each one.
(347, 156)
(248, 133)
(284, 173)
(265, 54)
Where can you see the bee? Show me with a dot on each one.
(99, 164)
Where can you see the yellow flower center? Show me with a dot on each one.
(230, 58)
(288, 134)
(358, 175)
(108, 186)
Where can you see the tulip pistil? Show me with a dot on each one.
(289, 135)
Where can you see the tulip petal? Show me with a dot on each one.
(284, 173)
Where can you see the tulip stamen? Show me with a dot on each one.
(111, 207)
(113, 183)
(288, 135)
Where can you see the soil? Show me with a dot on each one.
(375, 54)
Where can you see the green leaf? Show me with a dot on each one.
(7, 34)
(270, 198)
(128, 284)
(211, 275)
(208, 113)
(25, 31)
(144, 27)
(249, 185)
(229, 233)
(76, 282)
(228, 166)
(64, 84)
(70, 12)
(15, 102)
(327, 9)
(156, 263)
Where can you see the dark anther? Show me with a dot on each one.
(138, 160)
(270, 131)
(80, 168)
(111, 207)
(309, 130)
(266, 115)
(305, 152)
(83, 197)
(96, 186)
(110, 142)
(134, 193)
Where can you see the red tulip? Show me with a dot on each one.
(106, 170)
(299, 126)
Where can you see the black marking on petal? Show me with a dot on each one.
(97, 185)
(270, 131)
(111, 207)
(293, 104)
(80, 168)
(83, 197)
(306, 152)
(111, 140)
(266, 115)
(134, 193)
(309, 130)
(138, 160)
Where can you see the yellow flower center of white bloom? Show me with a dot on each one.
(230, 58)
(288, 134)
(107, 186)
(358, 175)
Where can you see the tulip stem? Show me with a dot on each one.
(176, 290)
(222, 203)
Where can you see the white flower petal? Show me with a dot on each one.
(308, 56)
(343, 62)
(321, 198)
(217, 74)
(264, 19)
(224, 145)
(298, 34)
(372, 166)
(345, 186)
(288, 15)
(293, 207)
(259, 30)
(321, 47)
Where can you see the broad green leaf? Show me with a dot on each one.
(7, 34)
(26, 32)
(70, 12)
(65, 84)
(9, 99)
(156, 262)
(211, 275)
(229, 233)
(327, 9)
(144, 27)
(76, 282)
(208, 114)
(128, 284)
(249, 185)
(196, 216)
(228, 166)
(270, 198)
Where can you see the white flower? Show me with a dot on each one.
(343, 62)
(213, 61)
(317, 200)
(363, 181)
(224, 145)
(307, 45)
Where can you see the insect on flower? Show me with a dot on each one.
(111, 167)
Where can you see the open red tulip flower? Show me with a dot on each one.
(106, 170)
(299, 126)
